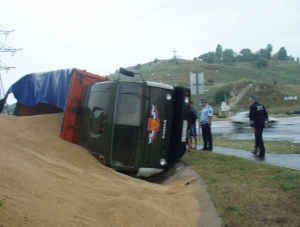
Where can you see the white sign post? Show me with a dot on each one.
(197, 83)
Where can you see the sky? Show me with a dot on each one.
(100, 36)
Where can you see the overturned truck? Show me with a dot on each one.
(138, 128)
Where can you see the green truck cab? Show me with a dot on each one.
(138, 128)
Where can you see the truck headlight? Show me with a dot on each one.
(162, 162)
(168, 96)
(186, 99)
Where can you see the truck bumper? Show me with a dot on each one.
(147, 172)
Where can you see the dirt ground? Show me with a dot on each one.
(46, 181)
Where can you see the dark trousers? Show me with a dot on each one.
(258, 138)
(206, 136)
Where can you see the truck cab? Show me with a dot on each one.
(138, 128)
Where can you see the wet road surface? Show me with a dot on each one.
(290, 161)
(287, 130)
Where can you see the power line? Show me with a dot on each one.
(109, 29)
(5, 48)
(5, 32)
(3, 66)
(54, 21)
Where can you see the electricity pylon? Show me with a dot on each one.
(5, 48)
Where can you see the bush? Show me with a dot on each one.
(220, 94)
(211, 81)
(261, 63)
(138, 66)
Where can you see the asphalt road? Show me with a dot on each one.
(287, 130)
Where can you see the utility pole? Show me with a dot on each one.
(5, 48)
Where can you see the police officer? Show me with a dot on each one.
(258, 117)
(205, 125)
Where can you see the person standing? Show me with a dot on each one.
(193, 132)
(188, 140)
(191, 118)
(205, 125)
(259, 118)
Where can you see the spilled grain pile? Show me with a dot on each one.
(46, 181)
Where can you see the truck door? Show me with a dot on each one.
(127, 119)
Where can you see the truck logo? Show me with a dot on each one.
(153, 124)
(164, 129)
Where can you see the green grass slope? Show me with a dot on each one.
(271, 84)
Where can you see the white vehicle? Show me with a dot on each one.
(241, 120)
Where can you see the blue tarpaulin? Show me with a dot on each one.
(49, 87)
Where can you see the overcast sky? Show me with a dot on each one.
(102, 35)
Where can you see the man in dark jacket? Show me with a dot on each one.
(258, 117)
(193, 130)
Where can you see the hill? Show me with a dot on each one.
(271, 84)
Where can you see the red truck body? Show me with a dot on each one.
(70, 125)
(43, 86)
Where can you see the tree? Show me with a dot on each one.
(282, 54)
(218, 53)
(246, 55)
(262, 53)
(208, 57)
(266, 53)
(228, 56)
(275, 57)
(291, 58)
(269, 50)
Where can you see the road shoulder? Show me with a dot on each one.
(209, 215)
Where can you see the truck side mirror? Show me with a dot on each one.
(127, 72)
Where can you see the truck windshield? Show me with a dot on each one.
(126, 124)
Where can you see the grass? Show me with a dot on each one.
(278, 147)
(247, 193)
(272, 84)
